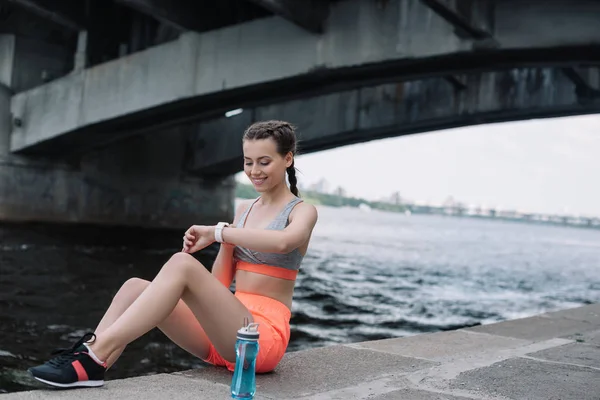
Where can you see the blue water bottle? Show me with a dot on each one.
(243, 383)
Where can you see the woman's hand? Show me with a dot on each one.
(198, 237)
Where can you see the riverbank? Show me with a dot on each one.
(451, 209)
(550, 356)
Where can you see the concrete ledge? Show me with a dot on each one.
(550, 356)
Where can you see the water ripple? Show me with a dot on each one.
(436, 274)
(408, 275)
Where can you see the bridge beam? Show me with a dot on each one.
(67, 13)
(396, 109)
(307, 14)
(267, 60)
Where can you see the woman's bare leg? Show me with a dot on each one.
(126, 295)
(216, 310)
(181, 326)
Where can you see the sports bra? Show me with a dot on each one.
(284, 266)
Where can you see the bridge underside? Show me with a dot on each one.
(269, 60)
(403, 108)
(112, 111)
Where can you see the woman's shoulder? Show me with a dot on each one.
(305, 210)
(305, 205)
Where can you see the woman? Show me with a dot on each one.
(263, 249)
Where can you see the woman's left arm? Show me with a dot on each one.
(302, 221)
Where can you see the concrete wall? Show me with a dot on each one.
(140, 182)
(135, 183)
(263, 56)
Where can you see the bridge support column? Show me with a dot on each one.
(137, 182)
(141, 182)
(7, 45)
(4, 120)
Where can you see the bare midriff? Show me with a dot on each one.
(279, 289)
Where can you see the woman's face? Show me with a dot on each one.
(263, 164)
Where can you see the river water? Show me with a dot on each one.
(368, 275)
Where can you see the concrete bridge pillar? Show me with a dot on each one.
(4, 120)
(6, 67)
(140, 181)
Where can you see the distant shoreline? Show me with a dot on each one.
(245, 191)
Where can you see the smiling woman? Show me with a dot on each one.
(260, 159)
(263, 249)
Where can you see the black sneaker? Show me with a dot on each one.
(71, 368)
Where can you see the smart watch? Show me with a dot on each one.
(219, 231)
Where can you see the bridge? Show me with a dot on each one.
(130, 112)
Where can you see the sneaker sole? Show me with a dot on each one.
(71, 385)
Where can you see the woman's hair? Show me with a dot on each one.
(284, 136)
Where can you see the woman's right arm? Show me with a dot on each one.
(222, 268)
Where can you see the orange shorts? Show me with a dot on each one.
(273, 318)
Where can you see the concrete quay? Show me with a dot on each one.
(551, 356)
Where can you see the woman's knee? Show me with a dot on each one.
(131, 290)
(182, 263)
(183, 258)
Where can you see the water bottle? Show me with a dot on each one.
(243, 383)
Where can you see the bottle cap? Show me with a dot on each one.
(248, 331)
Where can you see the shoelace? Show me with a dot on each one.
(67, 355)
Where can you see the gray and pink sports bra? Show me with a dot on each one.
(290, 260)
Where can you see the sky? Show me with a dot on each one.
(546, 166)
